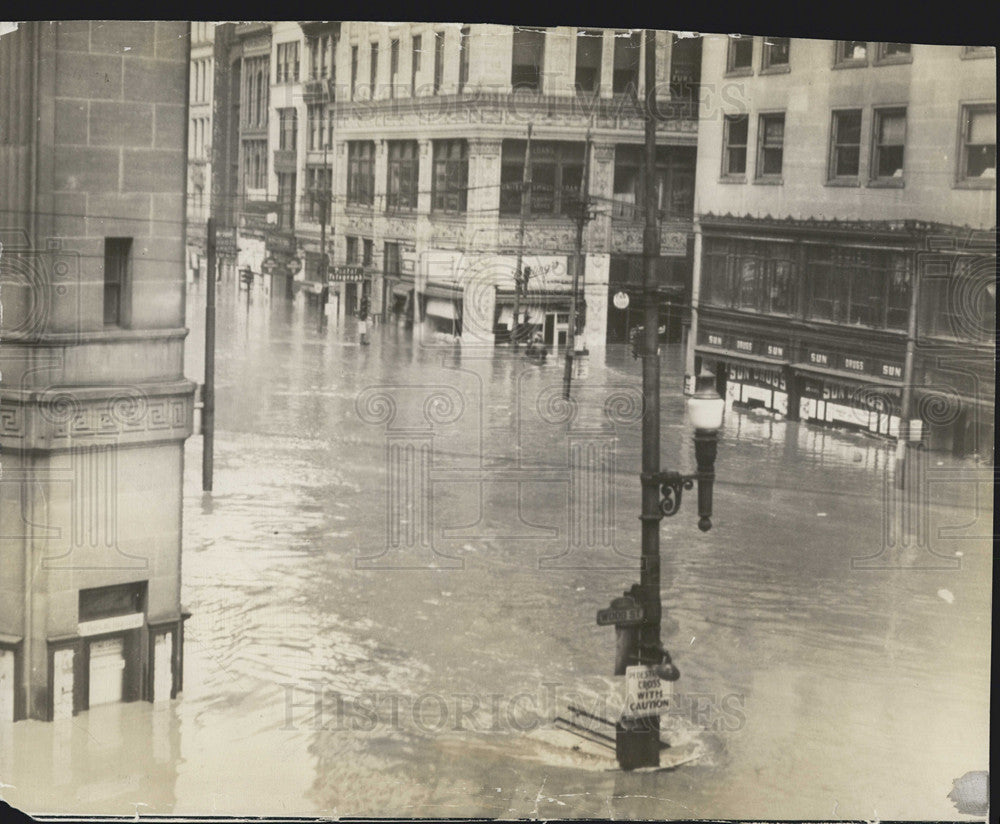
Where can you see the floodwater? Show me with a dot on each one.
(393, 589)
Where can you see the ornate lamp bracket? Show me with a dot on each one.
(672, 485)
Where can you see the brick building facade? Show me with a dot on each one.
(95, 407)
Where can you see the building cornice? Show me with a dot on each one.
(908, 229)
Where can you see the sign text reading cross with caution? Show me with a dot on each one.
(645, 693)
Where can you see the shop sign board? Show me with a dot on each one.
(351, 274)
(225, 241)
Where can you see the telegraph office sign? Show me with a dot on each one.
(351, 274)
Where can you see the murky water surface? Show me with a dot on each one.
(830, 668)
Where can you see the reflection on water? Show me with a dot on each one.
(814, 688)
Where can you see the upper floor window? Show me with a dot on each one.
(373, 71)
(589, 52)
(288, 63)
(851, 52)
(254, 102)
(749, 274)
(415, 63)
(451, 176)
(403, 174)
(391, 259)
(319, 183)
(739, 59)
(845, 145)
(625, 79)
(117, 261)
(892, 53)
(361, 172)
(320, 56)
(354, 70)
(556, 176)
(889, 138)
(978, 159)
(674, 180)
(254, 164)
(317, 126)
(438, 61)
(393, 66)
(775, 52)
(957, 302)
(861, 287)
(734, 147)
(527, 58)
(368, 252)
(289, 120)
(770, 145)
(352, 250)
(464, 41)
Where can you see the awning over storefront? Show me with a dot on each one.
(443, 291)
(842, 375)
(402, 289)
(712, 353)
(441, 308)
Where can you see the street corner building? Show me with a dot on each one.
(94, 407)
(845, 235)
(396, 153)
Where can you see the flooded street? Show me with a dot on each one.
(393, 589)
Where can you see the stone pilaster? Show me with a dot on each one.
(602, 185)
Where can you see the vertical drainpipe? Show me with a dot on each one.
(689, 370)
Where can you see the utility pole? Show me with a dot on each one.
(581, 222)
(324, 273)
(208, 391)
(639, 739)
(906, 400)
(519, 281)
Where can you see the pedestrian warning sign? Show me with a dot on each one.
(646, 694)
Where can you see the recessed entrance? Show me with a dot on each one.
(107, 671)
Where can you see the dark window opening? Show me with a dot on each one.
(117, 259)
(528, 58)
(735, 145)
(625, 79)
(740, 55)
(845, 148)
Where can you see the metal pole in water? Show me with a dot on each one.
(208, 393)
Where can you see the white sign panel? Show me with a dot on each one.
(117, 623)
(645, 693)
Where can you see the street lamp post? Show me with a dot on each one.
(637, 739)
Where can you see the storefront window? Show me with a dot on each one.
(748, 288)
(779, 288)
(747, 274)
(957, 303)
(861, 287)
